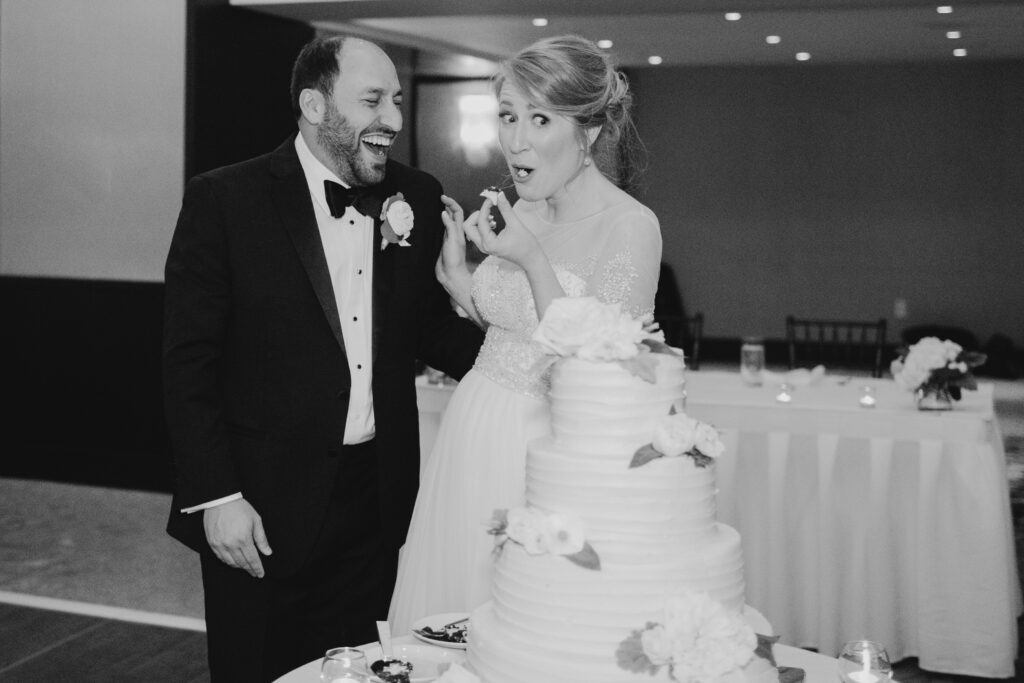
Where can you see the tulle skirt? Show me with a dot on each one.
(477, 465)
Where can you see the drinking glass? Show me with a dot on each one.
(864, 661)
(752, 361)
(344, 664)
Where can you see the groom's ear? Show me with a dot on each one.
(312, 105)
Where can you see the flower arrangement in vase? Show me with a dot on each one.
(937, 371)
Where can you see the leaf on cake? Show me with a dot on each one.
(764, 647)
(658, 346)
(586, 558)
(630, 654)
(701, 460)
(644, 455)
(642, 366)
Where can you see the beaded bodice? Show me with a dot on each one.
(614, 255)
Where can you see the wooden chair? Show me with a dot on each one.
(684, 332)
(841, 344)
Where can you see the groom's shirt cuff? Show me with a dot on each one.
(212, 503)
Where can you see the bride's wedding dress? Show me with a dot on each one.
(477, 464)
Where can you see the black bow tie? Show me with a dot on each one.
(366, 200)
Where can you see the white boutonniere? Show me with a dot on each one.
(396, 221)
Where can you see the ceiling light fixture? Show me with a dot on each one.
(953, 35)
(654, 59)
(959, 52)
(733, 16)
(803, 56)
(540, 21)
(604, 44)
(944, 9)
(772, 40)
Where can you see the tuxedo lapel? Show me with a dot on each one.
(295, 211)
(383, 271)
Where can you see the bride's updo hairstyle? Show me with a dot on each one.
(569, 75)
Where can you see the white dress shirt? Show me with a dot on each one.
(348, 245)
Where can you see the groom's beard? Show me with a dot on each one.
(343, 145)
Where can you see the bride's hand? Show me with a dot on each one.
(515, 243)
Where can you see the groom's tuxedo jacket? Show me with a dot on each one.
(256, 380)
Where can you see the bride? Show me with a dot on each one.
(568, 140)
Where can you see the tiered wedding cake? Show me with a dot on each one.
(617, 568)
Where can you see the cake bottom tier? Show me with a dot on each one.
(502, 655)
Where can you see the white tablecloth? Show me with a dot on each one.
(886, 523)
(817, 668)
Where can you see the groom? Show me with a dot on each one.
(293, 320)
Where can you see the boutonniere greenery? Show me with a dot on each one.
(396, 221)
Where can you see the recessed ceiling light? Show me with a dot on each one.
(733, 16)
(604, 44)
(540, 21)
(803, 56)
(959, 52)
(654, 59)
(772, 40)
(944, 9)
(953, 35)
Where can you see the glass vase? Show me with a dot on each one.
(934, 398)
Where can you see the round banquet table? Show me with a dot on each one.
(817, 668)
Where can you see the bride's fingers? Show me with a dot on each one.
(471, 229)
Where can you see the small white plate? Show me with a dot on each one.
(428, 662)
(437, 622)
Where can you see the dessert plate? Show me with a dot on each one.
(430, 629)
(428, 662)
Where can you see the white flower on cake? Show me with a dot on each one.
(674, 434)
(678, 434)
(541, 533)
(592, 330)
(698, 639)
(563, 534)
(525, 526)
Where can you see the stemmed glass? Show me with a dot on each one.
(344, 664)
(864, 661)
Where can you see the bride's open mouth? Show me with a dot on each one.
(521, 173)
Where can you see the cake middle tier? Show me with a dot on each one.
(636, 515)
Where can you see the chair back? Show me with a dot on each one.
(841, 344)
(684, 332)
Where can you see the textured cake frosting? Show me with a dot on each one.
(653, 527)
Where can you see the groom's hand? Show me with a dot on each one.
(235, 532)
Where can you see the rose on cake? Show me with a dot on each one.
(698, 639)
(589, 329)
(679, 434)
(544, 533)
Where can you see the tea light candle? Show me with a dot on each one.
(867, 398)
(863, 677)
(784, 396)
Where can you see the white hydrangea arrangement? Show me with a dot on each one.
(697, 639)
(933, 364)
